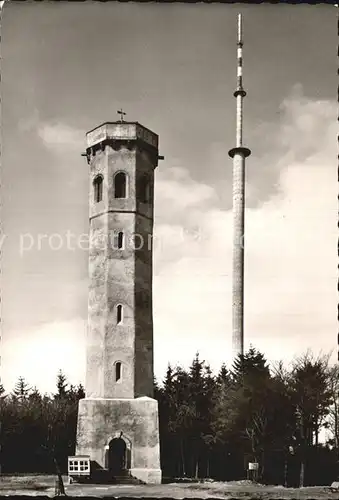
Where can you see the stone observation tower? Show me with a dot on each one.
(119, 405)
(239, 153)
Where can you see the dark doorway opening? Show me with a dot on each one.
(117, 456)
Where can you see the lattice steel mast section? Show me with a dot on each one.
(239, 153)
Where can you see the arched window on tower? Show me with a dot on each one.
(118, 371)
(98, 184)
(144, 189)
(120, 185)
(119, 314)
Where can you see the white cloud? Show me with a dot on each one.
(178, 197)
(309, 126)
(60, 135)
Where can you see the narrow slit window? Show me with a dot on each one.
(120, 239)
(97, 184)
(117, 371)
(119, 314)
(120, 185)
(145, 190)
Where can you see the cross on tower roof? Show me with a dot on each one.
(122, 114)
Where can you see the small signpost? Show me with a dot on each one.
(252, 471)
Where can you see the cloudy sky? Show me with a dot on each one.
(67, 68)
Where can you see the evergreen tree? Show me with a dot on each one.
(21, 389)
(182, 412)
(61, 385)
(241, 413)
(198, 422)
(156, 388)
(170, 451)
(207, 434)
(223, 377)
(250, 365)
(80, 390)
(35, 396)
(310, 386)
(332, 422)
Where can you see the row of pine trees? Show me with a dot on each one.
(211, 425)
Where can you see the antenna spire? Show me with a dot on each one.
(239, 90)
(239, 153)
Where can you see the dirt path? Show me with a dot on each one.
(44, 486)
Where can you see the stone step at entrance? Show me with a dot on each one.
(104, 476)
(127, 478)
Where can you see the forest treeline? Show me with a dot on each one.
(211, 425)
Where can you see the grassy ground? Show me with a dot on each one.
(44, 485)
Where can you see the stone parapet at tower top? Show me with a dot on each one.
(122, 131)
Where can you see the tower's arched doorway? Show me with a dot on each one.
(118, 455)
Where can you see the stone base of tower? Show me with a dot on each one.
(102, 420)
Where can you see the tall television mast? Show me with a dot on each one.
(239, 153)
